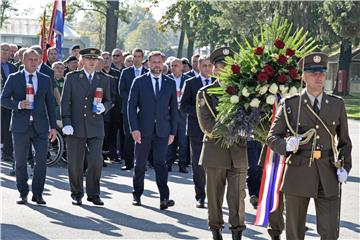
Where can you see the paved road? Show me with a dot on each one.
(119, 219)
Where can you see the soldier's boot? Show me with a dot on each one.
(236, 235)
(216, 233)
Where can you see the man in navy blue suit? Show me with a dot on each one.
(152, 111)
(187, 105)
(126, 80)
(30, 125)
(180, 145)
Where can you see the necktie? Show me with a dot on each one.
(207, 82)
(30, 79)
(90, 78)
(315, 106)
(157, 89)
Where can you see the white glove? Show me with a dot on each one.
(68, 130)
(342, 174)
(100, 108)
(292, 144)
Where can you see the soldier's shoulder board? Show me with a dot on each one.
(335, 96)
(289, 98)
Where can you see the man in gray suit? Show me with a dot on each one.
(84, 124)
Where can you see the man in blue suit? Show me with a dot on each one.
(152, 111)
(187, 105)
(30, 125)
(180, 145)
(126, 80)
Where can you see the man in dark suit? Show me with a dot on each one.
(180, 144)
(187, 105)
(30, 123)
(195, 66)
(6, 140)
(152, 112)
(83, 122)
(117, 60)
(52, 55)
(126, 80)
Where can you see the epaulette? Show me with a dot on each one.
(335, 96)
(73, 72)
(289, 97)
(205, 87)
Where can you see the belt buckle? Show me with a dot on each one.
(317, 154)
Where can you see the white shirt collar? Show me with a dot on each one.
(87, 74)
(27, 73)
(140, 68)
(153, 76)
(312, 98)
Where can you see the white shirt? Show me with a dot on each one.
(312, 99)
(203, 80)
(34, 79)
(88, 75)
(139, 71)
(177, 81)
(154, 82)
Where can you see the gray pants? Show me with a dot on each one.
(216, 181)
(76, 150)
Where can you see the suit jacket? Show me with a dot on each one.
(191, 73)
(333, 114)
(12, 69)
(115, 112)
(44, 103)
(126, 80)
(212, 153)
(154, 111)
(187, 105)
(76, 103)
(45, 69)
(113, 90)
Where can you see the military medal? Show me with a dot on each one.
(317, 154)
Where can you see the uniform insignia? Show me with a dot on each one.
(92, 51)
(288, 110)
(327, 101)
(317, 59)
(81, 75)
(202, 102)
(226, 51)
(305, 100)
(333, 122)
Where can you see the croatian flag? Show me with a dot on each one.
(56, 32)
(273, 171)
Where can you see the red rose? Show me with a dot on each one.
(293, 73)
(235, 68)
(258, 51)
(282, 78)
(262, 77)
(290, 52)
(230, 90)
(279, 44)
(269, 70)
(282, 59)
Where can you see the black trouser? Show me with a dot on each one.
(6, 138)
(128, 144)
(116, 136)
(198, 171)
(254, 173)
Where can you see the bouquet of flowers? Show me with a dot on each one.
(256, 78)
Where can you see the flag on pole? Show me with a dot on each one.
(56, 29)
(42, 40)
(272, 175)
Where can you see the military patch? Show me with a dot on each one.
(288, 110)
(226, 51)
(317, 59)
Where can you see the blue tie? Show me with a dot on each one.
(30, 79)
(207, 82)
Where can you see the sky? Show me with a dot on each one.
(36, 8)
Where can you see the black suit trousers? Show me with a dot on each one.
(128, 144)
(198, 170)
(6, 138)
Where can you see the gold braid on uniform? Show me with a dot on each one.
(209, 134)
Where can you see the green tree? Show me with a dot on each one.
(6, 7)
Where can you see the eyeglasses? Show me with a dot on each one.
(116, 55)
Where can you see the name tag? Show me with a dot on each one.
(317, 154)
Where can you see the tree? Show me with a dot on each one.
(6, 7)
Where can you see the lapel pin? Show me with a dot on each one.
(327, 101)
(81, 75)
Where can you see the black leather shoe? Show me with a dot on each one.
(136, 201)
(21, 200)
(169, 168)
(77, 201)
(124, 168)
(95, 201)
(200, 204)
(216, 233)
(236, 235)
(254, 201)
(166, 203)
(275, 237)
(183, 169)
(38, 199)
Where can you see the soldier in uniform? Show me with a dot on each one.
(84, 124)
(319, 154)
(221, 164)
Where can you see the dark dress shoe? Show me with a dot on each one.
(275, 237)
(169, 168)
(254, 201)
(136, 201)
(183, 169)
(21, 200)
(124, 168)
(216, 233)
(95, 201)
(77, 201)
(200, 204)
(38, 199)
(166, 203)
(236, 235)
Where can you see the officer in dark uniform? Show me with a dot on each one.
(71, 64)
(84, 124)
(319, 154)
(222, 165)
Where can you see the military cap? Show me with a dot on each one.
(219, 55)
(71, 58)
(314, 62)
(93, 53)
(76, 46)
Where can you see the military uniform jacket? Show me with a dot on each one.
(76, 103)
(299, 178)
(212, 153)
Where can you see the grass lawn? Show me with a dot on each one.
(352, 104)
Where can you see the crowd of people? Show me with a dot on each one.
(141, 111)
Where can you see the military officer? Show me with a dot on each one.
(319, 155)
(221, 164)
(82, 117)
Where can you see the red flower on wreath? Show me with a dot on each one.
(279, 44)
(293, 73)
(258, 51)
(290, 52)
(230, 90)
(282, 59)
(262, 77)
(269, 70)
(282, 78)
(235, 68)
